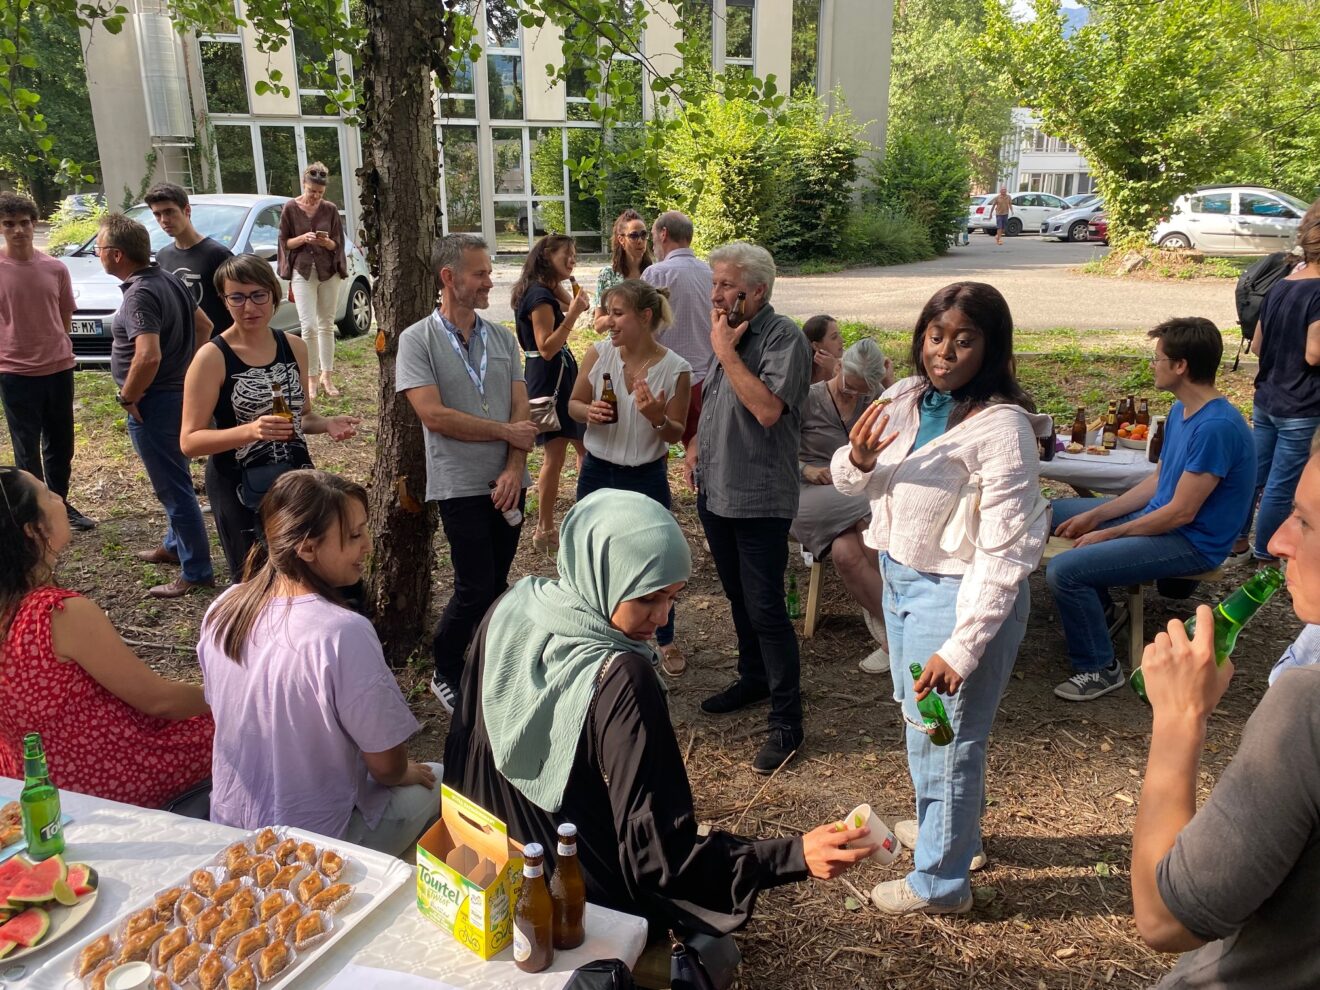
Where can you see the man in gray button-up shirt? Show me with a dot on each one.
(747, 476)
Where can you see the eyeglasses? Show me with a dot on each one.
(1157, 360)
(98, 250)
(318, 175)
(636, 235)
(236, 299)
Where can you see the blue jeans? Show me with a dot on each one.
(1283, 446)
(920, 613)
(1080, 579)
(651, 480)
(751, 557)
(156, 440)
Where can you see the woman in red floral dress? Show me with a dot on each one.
(111, 725)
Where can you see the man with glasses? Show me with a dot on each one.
(192, 257)
(36, 355)
(155, 332)
(1181, 520)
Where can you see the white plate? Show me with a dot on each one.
(62, 921)
(1132, 444)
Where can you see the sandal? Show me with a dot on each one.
(672, 661)
(546, 540)
(311, 388)
(329, 387)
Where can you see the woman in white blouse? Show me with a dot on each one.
(955, 596)
(628, 445)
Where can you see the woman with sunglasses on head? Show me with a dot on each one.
(312, 258)
(232, 380)
(630, 255)
(112, 727)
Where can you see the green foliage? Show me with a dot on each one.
(937, 83)
(883, 236)
(925, 176)
(1153, 94)
(67, 229)
(817, 165)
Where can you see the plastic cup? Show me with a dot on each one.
(887, 846)
(130, 976)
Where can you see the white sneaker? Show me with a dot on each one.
(897, 897)
(875, 663)
(444, 693)
(906, 831)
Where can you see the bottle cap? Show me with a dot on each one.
(567, 830)
(533, 849)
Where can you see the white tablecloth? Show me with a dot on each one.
(1111, 475)
(137, 852)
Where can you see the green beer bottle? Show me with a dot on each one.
(1231, 615)
(791, 601)
(40, 803)
(932, 711)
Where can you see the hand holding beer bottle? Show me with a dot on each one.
(1181, 676)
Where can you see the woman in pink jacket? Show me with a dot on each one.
(956, 597)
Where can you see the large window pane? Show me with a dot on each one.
(279, 153)
(463, 81)
(456, 108)
(501, 24)
(548, 163)
(511, 222)
(628, 74)
(806, 25)
(238, 171)
(462, 179)
(738, 29)
(583, 214)
(508, 164)
(504, 78)
(310, 56)
(323, 146)
(699, 20)
(222, 74)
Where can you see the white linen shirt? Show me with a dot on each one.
(631, 440)
(913, 493)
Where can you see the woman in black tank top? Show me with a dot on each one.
(228, 405)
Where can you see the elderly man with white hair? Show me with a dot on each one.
(747, 482)
(828, 522)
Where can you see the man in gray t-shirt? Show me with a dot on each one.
(464, 378)
(1235, 886)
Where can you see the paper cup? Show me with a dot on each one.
(887, 846)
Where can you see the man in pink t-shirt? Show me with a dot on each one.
(36, 355)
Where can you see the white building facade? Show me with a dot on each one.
(1038, 162)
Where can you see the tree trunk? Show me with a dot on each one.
(401, 217)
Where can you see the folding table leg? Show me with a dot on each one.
(813, 601)
(1136, 625)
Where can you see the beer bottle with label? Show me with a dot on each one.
(1079, 430)
(736, 315)
(533, 915)
(278, 406)
(573, 284)
(1231, 615)
(1128, 414)
(39, 802)
(1143, 413)
(933, 713)
(1109, 439)
(568, 891)
(1156, 442)
(607, 394)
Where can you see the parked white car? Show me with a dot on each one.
(241, 223)
(1030, 210)
(1232, 220)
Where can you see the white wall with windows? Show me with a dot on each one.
(1039, 162)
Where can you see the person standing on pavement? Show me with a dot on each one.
(191, 257)
(156, 331)
(1003, 209)
(312, 258)
(688, 280)
(463, 376)
(630, 255)
(747, 486)
(36, 355)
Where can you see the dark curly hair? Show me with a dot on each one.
(22, 546)
(536, 269)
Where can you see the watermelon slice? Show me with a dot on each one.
(5, 947)
(82, 879)
(10, 872)
(27, 929)
(37, 885)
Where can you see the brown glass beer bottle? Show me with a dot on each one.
(607, 394)
(533, 916)
(568, 891)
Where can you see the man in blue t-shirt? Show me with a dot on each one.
(1181, 520)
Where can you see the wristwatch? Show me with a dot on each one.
(661, 425)
(119, 397)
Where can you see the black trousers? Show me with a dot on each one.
(751, 557)
(235, 523)
(481, 548)
(39, 410)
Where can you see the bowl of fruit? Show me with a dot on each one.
(1133, 435)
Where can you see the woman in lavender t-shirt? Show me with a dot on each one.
(311, 729)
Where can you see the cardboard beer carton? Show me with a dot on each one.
(468, 875)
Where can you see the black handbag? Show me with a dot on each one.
(258, 479)
(602, 974)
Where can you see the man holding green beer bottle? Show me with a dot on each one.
(1236, 885)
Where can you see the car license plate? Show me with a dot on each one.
(87, 328)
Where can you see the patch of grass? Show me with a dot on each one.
(1164, 265)
(819, 266)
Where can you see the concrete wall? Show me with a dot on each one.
(541, 100)
(855, 54)
(119, 108)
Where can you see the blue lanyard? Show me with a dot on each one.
(451, 333)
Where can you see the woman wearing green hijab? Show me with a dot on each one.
(563, 719)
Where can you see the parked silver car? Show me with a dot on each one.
(1030, 210)
(242, 223)
(1070, 225)
(1232, 220)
